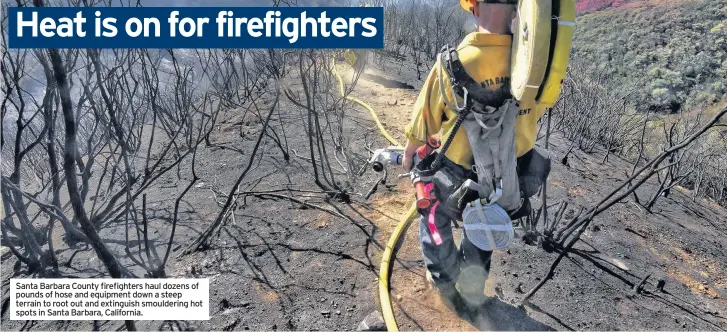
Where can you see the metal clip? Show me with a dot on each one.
(456, 104)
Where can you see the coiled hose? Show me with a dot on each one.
(387, 310)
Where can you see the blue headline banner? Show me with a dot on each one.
(196, 27)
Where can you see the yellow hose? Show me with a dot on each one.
(375, 117)
(387, 311)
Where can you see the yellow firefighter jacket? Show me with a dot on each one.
(486, 58)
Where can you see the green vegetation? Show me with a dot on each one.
(674, 54)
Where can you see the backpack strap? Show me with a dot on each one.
(476, 96)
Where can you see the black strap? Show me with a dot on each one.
(458, 76)
(479, 97)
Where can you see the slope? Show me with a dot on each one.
(587, 6)
(282, 264)
(673, 54)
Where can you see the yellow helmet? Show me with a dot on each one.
(467, 4)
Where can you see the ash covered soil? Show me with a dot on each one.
(283, 265)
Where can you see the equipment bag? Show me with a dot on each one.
(541, 46)
(533, 170)
(492, 140)
(491, 134)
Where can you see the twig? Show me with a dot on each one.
(640, 286)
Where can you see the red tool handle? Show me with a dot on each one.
(423, 199)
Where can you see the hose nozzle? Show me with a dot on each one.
(382, 158)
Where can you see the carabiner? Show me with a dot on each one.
(456, 104)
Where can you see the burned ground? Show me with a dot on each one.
(280, 264)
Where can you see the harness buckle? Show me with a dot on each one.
(496, 193)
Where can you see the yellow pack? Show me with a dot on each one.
(541, 46)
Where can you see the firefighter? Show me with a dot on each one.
(459, 274)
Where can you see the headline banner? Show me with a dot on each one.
(196, 27)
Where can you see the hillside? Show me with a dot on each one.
(587, 6)
(285, 265)
(249, 168)
(670, 55)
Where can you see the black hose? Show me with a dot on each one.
(437, 162)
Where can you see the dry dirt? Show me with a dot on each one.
(280, 265)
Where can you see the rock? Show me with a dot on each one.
(660, 285)
(398, 298)
(208, 262)
(373, 322)
(519, 288)
(230, 324)
(4, 250)
(498, 291)
(338, 312)
(224, 304)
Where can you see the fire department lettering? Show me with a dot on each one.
(496, 81)
(502, 80)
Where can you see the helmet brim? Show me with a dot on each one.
(466, 5)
